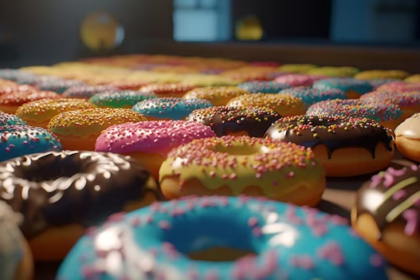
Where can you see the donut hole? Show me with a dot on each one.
(240, 150)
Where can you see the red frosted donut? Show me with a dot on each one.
(10, 102)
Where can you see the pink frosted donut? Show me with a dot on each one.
(296, 80)
(399, 87)
(150, 141)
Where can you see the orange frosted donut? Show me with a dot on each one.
(218, 96)
(284, 104)
(79, 129)
(168, 90)
(39, 113)
(233, 165)
(10, 102)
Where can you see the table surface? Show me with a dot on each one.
(337, 199)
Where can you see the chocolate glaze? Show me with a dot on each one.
(62, 188)
(222, 119)
(333, 132)
(392, 196)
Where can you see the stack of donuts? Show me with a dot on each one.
(163, 167)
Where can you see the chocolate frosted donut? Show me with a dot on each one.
(250, 121)
(338, 142)
(59, 189)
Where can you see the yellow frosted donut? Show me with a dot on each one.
(284, 104)
(79, 129)
(413, 79)
(233, 165)
(218, 96)
(382, 74)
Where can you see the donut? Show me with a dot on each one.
(79, 129)
(379, 82)
(150, 142)
(9, 88)
(15, 257)
(17, 141)
(344, 146)
(296, 68)
(168, 90)
(34, 80)
(218, 96)
(263, 87)
(58, 86)
(12, 74)
(208, 80)
(128, 85)
(10, 120)
(283, 104)
(235, 165)
(388, 115)
(61, 194)
(311, 95)
(39, 113)
(248, 76)
(409, 102)
(297, 80)
(413, 79)
(341, 72)
(224, 238)
(399, 87)
(86, 92)
(249, 121)
(169, 108)
(382, 74)
(407, 137)
(10, 102)
(352, 87)
(387, 215)
(120, 99)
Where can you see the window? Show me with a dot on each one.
(201, 20)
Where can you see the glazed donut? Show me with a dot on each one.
(242, 165)
(352, 87)
(399, 87)
(150, 142)
(296, 68)
(10, 120)
(409, 102)
(79, 129)
(10, 102)
(387, 215)
(218, 96)
(58, 86)
(413, 79)
(169, 108)
(388, 115)
(248, 121)
(17, 141)
(340, 72)
(311, 96)
(86, 92)
(39, 113)
(298, 80)
(60, 194)
(210, 237)
(283, 104)
(120, 99)
(168, 90)
(382, 74)
(263, 87)
(344, 146)
(407, 137)
(15, 257)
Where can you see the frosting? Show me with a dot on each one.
(255, 121)
(333, 132)
(392, 196)
(382, 74)
(249, 76)
(86, 92)
(213, 93)
(71, 187)
(170, 108)
(87, 122)
(312, 95)
(35, 79)
(296, 68)
(46, 109)
(399, 98)
(8, 119)
(263, 87)
(167, 89)
(379, 82)
(344, 84)
(58, 86)
(413, 79)
(283, 104)
(22, 97)
(409, 128)
(296, 80)
(17, 141)
(399, 87)
(128, 85)
(120, 99)
(150, 136)
(289, 243)
(342, 72)
(12, 74)
(355, 108)
(8, 88)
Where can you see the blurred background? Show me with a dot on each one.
(363, 33)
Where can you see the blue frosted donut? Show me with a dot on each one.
(263, 87)
(17, 141)
(289, 243)
(352, 87)
(58, 86)
(169, 108)
(8, 119)
(312, 95)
